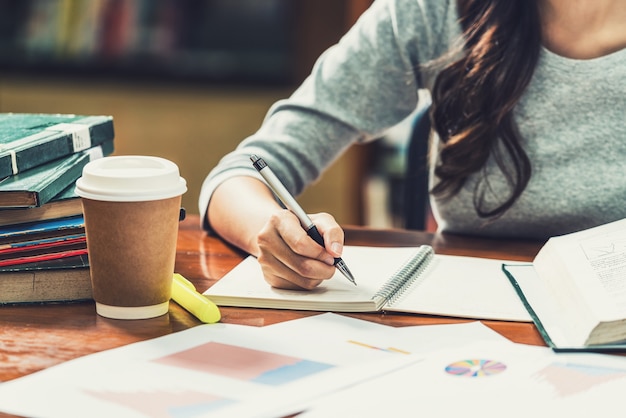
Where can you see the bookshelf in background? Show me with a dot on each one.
(169, 113)
(268, 42)
(215, 40)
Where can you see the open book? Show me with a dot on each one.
(575, 289)
(400, 279)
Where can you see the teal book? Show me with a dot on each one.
(35, 187)
(65, 204)
(28, 140)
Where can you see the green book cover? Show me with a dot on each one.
(41, 184)
(29, 140)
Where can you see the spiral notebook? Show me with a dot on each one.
(394, 279)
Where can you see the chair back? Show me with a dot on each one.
(416, 196)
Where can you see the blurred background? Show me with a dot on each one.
(189, 79)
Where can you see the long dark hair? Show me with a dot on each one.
(473, 98)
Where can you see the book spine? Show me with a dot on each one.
(40, 185)
(72, 171)
(68, 174)
(61, 140)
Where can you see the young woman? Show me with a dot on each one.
(529, 100)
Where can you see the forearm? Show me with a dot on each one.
(238, 210)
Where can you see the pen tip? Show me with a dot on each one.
(341, 265)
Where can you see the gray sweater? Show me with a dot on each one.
(572, 120)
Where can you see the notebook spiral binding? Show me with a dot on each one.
(402, 279)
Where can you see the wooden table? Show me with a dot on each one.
(34, 337)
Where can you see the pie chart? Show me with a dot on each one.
(475, 368)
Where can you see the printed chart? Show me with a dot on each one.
(163, 404)
(373, 347)
(244, 363)
(475, 368)
(213, 358)
(569, 379)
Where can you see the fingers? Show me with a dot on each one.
(289, 258)
(281, 276)
(331, 231)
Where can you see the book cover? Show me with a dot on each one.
(35, 187)
(40, 230)
(29, 140)
(65, 204)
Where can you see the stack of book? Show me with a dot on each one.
(43, 249)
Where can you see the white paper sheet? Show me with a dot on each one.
(411, 339)
(487, 380)
(218, 370)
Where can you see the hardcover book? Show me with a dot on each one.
(13, 234)
(29, 140)
(39, 185)
(59, 280)
(43, 249)
(575, 289)
(65, 204)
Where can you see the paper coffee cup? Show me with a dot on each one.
(131, 206)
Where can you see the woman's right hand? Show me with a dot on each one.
(290, 259)
(244, 212)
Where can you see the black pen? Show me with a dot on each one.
(283, 194)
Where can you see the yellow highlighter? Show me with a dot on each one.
(184, 293)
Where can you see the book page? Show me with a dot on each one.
(587, 269)
(555, 324)
(468, 287)
(607, 258)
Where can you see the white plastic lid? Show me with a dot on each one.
(130, 178)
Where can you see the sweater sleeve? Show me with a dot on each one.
(357, 89)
